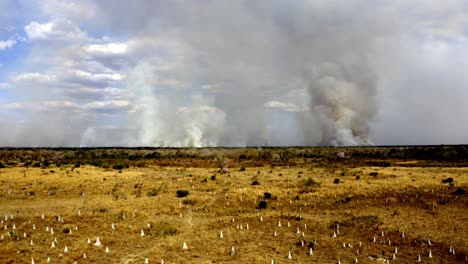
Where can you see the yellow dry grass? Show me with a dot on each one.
(90, 199)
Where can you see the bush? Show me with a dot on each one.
(118, 166)
(189, 202)
(182, 193)
(267, 196)
(255, 182)
(262, 205)
(153, 192)
(311, 183)
(164, 229)
(308, 185)
(2, 165)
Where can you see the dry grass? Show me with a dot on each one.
(399, 199)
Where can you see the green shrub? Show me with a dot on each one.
(262, 205)
(311, 183)
(118, 166)
(189, 202)
(164, 229)
(153, 192)
(255, 182)
(182, 193)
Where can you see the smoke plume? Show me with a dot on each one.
(344, 99)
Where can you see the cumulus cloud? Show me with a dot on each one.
(5, 44)
(107, 49)
(57, 30)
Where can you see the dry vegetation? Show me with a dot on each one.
(145, 203)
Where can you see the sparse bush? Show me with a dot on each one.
(255, 182)
(365, 221)
(459, 191)
(118, 166)
(182, 193)
(269, 196)
(67, 229)
(311, 183)
(242, 157)
(262, 205)
(140, 164)
(164, 229)
(189, 202)
(308, 185)
(153, 192)
(448, 180)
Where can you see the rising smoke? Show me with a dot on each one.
(238, 73)
(344, 99)
(244, 54)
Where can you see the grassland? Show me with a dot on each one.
(134, 201)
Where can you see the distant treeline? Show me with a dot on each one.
(119, 158)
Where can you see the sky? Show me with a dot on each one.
(180, 73)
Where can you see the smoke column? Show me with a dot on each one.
(175, 73)
(344, 99)
(213, 72)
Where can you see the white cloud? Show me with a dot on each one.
(99, 76)
(4, 85)
(61, 105)
(285, 106)
(107, 49)
(33, 77)
(5, 44)
(65, 8)
(61, 30)
(107, 106)
(17, 106)
(108, 93)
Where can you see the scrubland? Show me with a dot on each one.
(267, 204)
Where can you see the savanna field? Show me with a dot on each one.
(239, 205)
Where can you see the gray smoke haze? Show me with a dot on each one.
(253, 50)
(234, 73)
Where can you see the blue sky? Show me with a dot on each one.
(233, 73)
